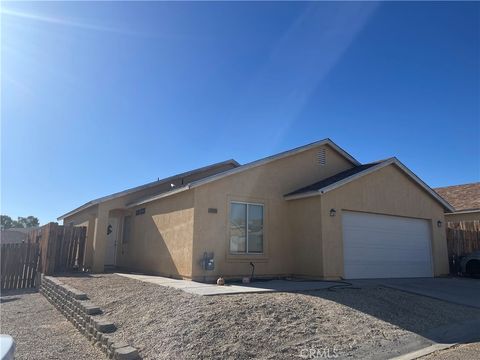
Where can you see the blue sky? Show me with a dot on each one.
(99, 97)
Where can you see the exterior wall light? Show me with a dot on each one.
(332, 212)
(439, 223)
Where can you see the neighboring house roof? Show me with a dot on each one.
(247, 167)
(349, 175)
(146, 186)
(464, 198)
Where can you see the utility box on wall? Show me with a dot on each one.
(207, 261)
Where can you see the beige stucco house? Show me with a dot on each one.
(313, 211)
(465, 199)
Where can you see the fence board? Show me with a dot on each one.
(18, 269)
(463, 238)
(34, 268)
(26, 267)
(2, 267)
(5, 264)
(49, 249)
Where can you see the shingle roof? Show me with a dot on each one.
(335, 178)
(462, 197)
(149, 185)
(250, 166)
(354, 173)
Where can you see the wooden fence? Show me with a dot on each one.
(70, 248)
(19, 266)
(462, 238)
(49, 249)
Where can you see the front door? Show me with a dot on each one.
(112, 236)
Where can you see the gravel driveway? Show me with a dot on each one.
(166, 323)
(41, 331)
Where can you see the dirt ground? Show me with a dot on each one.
(40, 331)
(166, 323)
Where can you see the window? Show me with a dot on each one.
(246, 228)
(127, 225)
(140, 211)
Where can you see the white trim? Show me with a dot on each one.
(380, 165)
(338, 183)
(156, 197)
(251, 165)
(246, 202)
(273, 158)
(465, 212)
(211, 178)
(441, 200)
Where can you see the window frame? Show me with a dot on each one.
(246, 253)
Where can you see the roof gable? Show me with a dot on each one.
(278, 156)
(248, 166)
(347, 176)
(332, 179)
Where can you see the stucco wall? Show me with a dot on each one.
(300, 237)
(264, 184)
(306, 236)
(98, 215)
(386, 191)
(161, 238)
(454, 217)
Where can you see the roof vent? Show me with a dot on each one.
(322, 157)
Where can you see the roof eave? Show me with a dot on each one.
(339, 183)
(387, 162)
(157, 197)
(432, 192)
(143, 187)
(77, 210)
(256, 163)
(276, 157)
(469, 211)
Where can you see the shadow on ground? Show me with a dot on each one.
(436, 320)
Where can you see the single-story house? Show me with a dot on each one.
(313, 211)
(465, 199)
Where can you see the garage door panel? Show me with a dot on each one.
(397, 241)
(375, 253)
(379, 246)
(390, 243)
(386, 269)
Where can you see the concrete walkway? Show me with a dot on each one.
(455, 290)
(229, 289)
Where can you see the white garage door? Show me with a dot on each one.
(381, 246)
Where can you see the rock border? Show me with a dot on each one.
(86, 317)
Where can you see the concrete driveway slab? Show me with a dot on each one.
(462, 291)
